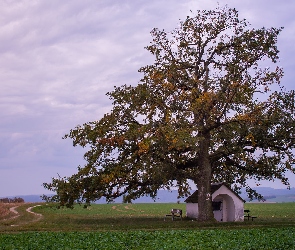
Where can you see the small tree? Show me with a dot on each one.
(203, 112)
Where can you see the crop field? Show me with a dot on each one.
(142, 226)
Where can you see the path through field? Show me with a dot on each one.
(38, 216)
(13, 210)
(17, 214)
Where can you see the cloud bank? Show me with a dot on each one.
(59, 58)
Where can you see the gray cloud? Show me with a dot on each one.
(59, 58)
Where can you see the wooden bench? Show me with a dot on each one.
(247, 215)
(174, 213)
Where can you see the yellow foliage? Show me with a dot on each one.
(173, 144)
(206, 99)
(245, 117)
(143, 147)
(107, 178)
(251, 138)
(235, 84)
(168, 116)
(168, 86)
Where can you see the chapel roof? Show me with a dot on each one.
(214, 187)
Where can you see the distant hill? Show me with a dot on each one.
(273, 195)
(164, 196)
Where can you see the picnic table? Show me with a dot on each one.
(174, 213)
(247, 215)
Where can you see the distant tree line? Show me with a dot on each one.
(265, 197)
(12, 200)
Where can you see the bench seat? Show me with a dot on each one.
(175, 213)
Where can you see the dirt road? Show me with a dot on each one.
(17, 214)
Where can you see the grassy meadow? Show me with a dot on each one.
(142, 226)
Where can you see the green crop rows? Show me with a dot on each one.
(271, 238)
(142, 226)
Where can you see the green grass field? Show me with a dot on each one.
(142, 226)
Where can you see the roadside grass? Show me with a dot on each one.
(142, 226)
(148, 216)
(272, 212)
(108, 217)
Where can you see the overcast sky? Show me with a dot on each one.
(59, 58)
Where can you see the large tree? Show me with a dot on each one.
(205, 111)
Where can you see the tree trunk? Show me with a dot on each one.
(204, 182)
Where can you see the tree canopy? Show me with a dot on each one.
(207, 110)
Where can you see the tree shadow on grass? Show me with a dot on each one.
(130, 223)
